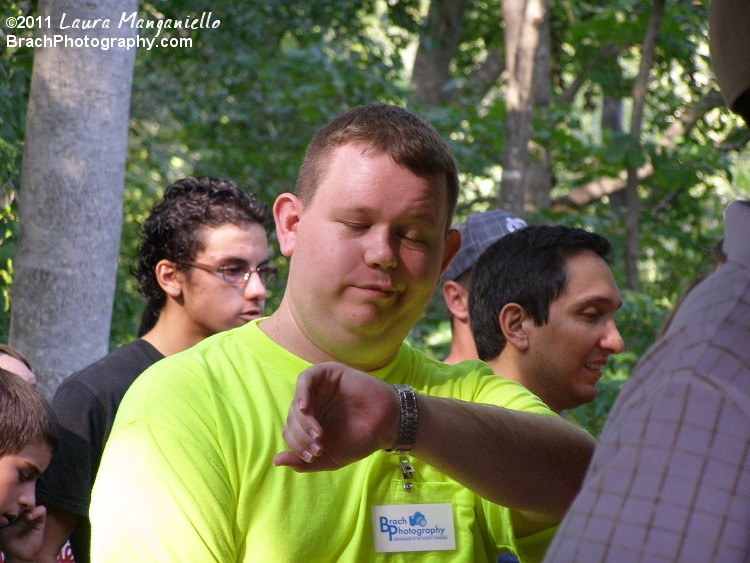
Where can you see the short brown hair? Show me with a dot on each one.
(24, 415)
(404, 136)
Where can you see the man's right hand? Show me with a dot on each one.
(338, 415)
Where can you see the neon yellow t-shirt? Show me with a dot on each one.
(187, 473)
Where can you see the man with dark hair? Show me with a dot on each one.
(543, 303)
(203, 264)
(188, 473)
(670, 479)
(478, 232)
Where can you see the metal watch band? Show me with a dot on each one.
(408, 417)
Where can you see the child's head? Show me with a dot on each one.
(28, 438)
(15, 362)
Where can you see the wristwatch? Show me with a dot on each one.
(408, 417)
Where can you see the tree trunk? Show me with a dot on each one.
(522, 20)
(538, 177)
(612, 122)
(632, 235)
(70, 205)
(437, 45)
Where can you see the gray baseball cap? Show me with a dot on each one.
(478, 232)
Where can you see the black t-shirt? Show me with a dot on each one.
(85, 405)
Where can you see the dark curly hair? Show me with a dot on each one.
(172, 230)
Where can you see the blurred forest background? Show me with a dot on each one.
(609, 119)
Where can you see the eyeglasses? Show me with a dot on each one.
(239, 275)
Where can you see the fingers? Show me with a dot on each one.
(337, 398)
(36, 516)
(302, 392)
(302, 442)
(305, 455)
(317, 381)
(288, 459)
(302, 432)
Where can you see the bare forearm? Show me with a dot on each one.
(532, 463)
(525, 461)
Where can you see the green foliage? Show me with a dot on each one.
(7, 252)
(15, 74)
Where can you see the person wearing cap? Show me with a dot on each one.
(542, 306)
(478, 232)
(670, 477)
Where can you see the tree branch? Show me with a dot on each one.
(596, 189)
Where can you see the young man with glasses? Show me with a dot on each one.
(203, 265)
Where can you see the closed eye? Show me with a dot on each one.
(412, 235)
(415, 239)
(591, 315)
(25, 477)
(356, 226)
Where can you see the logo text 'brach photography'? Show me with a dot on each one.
(413, 527)
(399, 529)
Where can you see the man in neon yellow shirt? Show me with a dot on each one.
(188, 472)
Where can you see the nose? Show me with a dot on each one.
(255, 288)
(379, 251)
(612, 340)
(27, 499)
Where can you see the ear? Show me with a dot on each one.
(287, 212)
(456, 299)
(514, 323)
(452, 244)
(166, 276)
